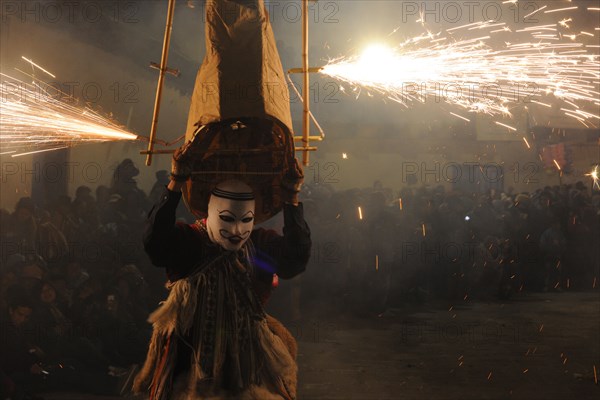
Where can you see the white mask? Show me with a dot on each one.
(230, 214)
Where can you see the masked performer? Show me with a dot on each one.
(212, 338)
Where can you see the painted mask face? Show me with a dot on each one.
(230, 215)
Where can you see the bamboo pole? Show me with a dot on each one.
(161, 77)
(306, 84)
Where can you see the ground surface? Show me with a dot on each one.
(538, 346)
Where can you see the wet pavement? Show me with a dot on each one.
(537, 346)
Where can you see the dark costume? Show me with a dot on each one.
(212, 338)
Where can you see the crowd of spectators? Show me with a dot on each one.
(374, 248)
(75, 290)
(76, 287)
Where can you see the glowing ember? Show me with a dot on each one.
(595, 178)
(33, 121)
(557, 165)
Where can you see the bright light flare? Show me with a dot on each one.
(480, 77)
(595, 175)
(32, 120)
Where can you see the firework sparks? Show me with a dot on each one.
(33, 120)
(557, 165)
(595, 178)
(473, 75)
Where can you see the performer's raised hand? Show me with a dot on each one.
(292, 183)
(181, 167)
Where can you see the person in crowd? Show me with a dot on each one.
(20, 367)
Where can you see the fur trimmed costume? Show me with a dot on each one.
(212, 338)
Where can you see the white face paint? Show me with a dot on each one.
(230, 222)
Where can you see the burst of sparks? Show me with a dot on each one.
(36, 118)
(561, 9)
(38, 67)
(594, 174)
(474, 75)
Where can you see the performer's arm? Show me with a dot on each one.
(296, 242)
(168, 244)
(285, 255)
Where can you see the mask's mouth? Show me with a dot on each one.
(235, 240)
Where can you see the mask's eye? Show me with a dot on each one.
(247, 219)
(226, 218)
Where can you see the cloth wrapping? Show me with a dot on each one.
(235, 354)
(241, 75)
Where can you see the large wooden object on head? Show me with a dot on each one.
(254, 150)
(239, 120)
